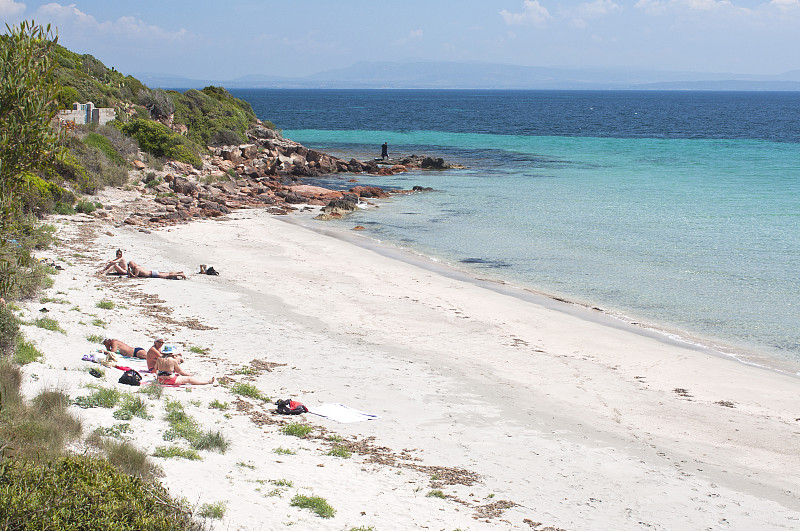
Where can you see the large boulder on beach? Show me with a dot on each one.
(184, 186)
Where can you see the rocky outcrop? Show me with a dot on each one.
(263, 173)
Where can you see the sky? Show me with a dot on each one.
(203, 39)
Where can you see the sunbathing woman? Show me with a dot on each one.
(135, 270)
(117, 265)
(170, 372)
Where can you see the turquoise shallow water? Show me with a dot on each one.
(696, 236)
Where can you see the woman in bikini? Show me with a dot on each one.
(135, 270)
(116, 266)
(170, 372)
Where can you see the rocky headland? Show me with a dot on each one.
(266, 172)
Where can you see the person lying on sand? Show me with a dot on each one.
(116, 266)
(135, 270)
(170, 372)
(154, 353)
(118, 347)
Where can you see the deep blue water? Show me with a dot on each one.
(677, 209)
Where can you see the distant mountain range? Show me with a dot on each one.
(444, 75)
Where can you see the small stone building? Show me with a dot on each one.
(87, 113)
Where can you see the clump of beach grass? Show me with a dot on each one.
(132, 406)
(214, 510)
(105, 304)
(340, 451)
(249, 390)
(216, 404)
(184, 426)
(297, 429)
(101, 397)
(315, 504)
(94, 338)
(168, 452)
(49, 324)
(154, 390)
(284, 451)
(26, 352)
(436, 493)
(37, 430)
(124, 456)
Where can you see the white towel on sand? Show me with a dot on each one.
(341, 413)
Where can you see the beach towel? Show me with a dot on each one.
(341, 413)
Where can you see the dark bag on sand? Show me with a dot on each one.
(212, 271)
(130, 377)
(290, 407)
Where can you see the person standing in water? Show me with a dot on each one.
(385, 150)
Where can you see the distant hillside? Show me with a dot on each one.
(448, 75)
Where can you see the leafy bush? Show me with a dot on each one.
(9, 331)
(160, 141)
(79, 492)
(102, 143)
(213, 115)
(86, 207)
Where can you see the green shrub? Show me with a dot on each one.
(9, 331)
(436, 494)
(105, 305)
(94, 338)
(315, 504)
(79, 492)
(160, 141)
(212, 115)
(102, 143)
(86, 207)
(297, 429)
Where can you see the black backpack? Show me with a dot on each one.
(290, 407)
(130, 377)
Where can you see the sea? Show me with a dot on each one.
(677, 210)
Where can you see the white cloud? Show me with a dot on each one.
(413, 35)
(533, 13)
(123, 26)
(580, 14)
(10, 8)
(662, 7)
(785, 5)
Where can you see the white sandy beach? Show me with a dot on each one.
(556, 415)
